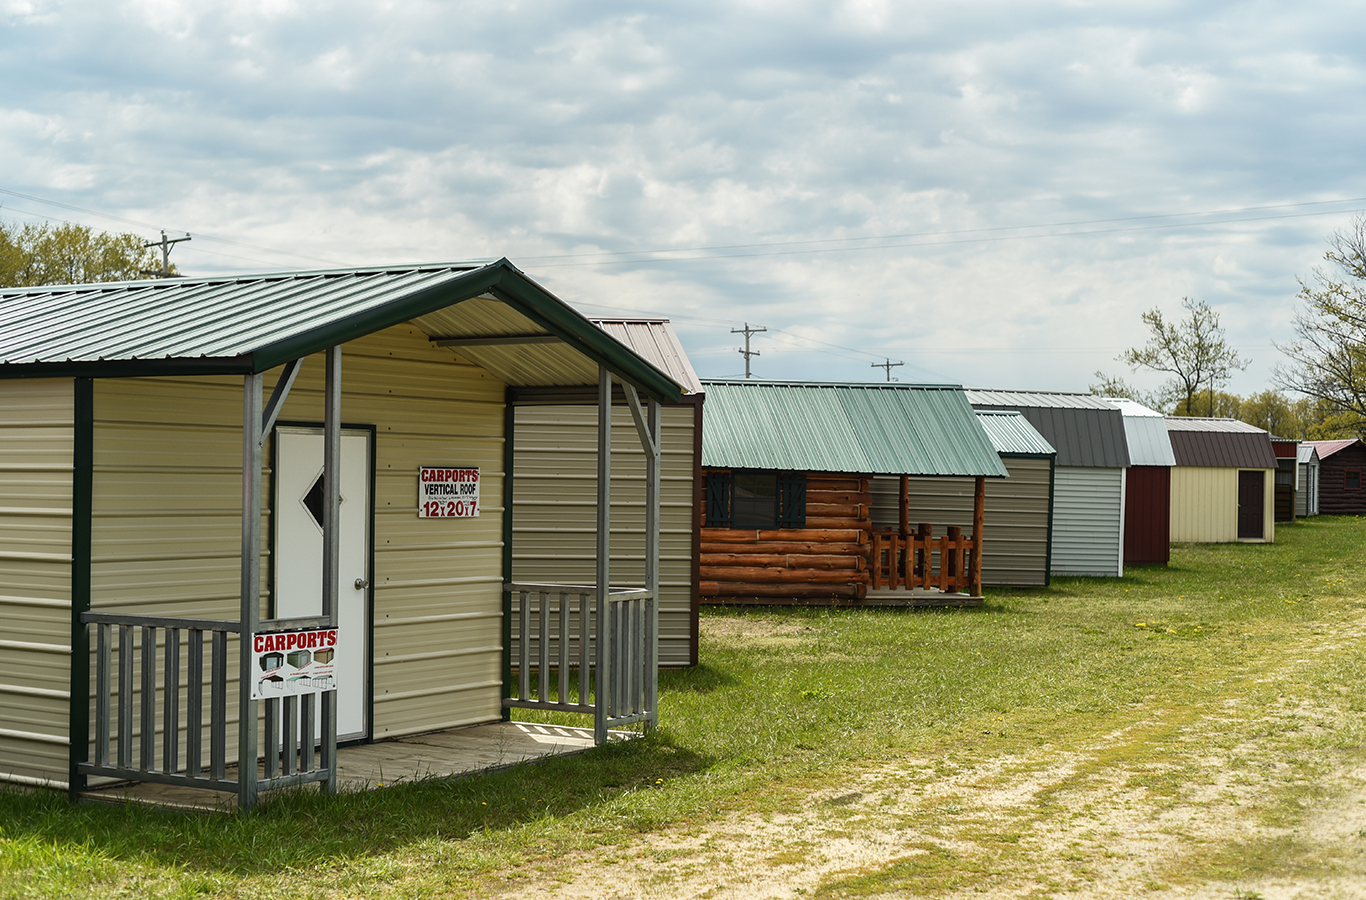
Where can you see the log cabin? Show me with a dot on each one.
(787, 470)
(1342, 477)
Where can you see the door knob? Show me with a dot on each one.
(362, 584)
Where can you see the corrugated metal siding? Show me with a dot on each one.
(1088, 504)
(1204, 504)
(36, 419)
(1147, 515)
(167, 514)
(844, 428)
(1016, 519)
(1307, 491)
(554, 521)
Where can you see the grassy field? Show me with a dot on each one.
(1011, 749)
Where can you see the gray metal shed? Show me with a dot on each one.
(1089, 478)
(1018, 528)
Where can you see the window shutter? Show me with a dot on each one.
(720, 491)
(791, 499)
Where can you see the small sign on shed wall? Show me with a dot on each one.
(448, 492)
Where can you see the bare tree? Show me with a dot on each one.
(1330, 355)
(1193, 351)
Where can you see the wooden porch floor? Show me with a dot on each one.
(919, 597)
(438, 754)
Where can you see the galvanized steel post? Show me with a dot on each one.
(331, 546)
(602, 692)
(250, 588)
(653, 459)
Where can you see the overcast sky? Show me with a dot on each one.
(989, 192)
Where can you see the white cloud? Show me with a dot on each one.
(361, 133)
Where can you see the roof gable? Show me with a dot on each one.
(489, 312)
(1086, 430)
(889, 429)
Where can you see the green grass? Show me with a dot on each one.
(1147, 674)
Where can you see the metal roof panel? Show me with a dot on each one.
(1085, 430)
(1012, 435)
(1145, 431)
(889, 429)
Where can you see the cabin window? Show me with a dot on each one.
(756, 499)
(1353, 480)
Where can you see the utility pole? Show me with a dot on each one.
(747, 353)
(888, 365)
(165, 245)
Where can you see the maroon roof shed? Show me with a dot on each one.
(1342, 477)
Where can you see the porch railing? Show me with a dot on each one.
(907, 561)
(138, 672)
(604, 660)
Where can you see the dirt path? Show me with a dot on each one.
(1208, 815)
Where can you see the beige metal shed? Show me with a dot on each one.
(168, 535)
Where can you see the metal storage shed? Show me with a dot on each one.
(1148, 485)
(155, 507)
(787, 494)
(1307, 480)
(1222, 481)
(1089, 480)
(1342, 477)
(554, 493)
(1019, 508)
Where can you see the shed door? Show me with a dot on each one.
(1251, 487)
(298, 554)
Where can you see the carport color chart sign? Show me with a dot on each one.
(447, 492)
(290, 663)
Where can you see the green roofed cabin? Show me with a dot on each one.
(198, 472)
(786, 505)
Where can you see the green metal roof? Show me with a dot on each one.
(510, 325)
(878, 429)
(1012, 435)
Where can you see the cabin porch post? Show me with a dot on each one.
(979, 503)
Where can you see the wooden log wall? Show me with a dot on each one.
(826, 560)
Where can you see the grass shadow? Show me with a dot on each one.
(303, 829)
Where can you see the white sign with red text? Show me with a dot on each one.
(447, 492)
(290, 663)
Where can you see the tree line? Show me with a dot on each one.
(36, 254)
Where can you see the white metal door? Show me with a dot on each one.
(298, 555)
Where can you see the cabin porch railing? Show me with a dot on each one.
(907, 561)
(142, 688)
(603, 655)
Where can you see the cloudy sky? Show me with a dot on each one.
(991, 193)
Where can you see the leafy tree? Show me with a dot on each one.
(70, 254)
(1330, 355)
(1193, 351)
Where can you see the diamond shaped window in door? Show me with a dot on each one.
(313, 501)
